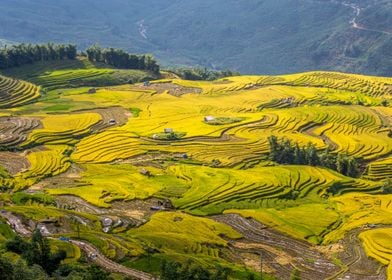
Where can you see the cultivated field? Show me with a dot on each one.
(201, 151)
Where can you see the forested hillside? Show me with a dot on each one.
(251, 36)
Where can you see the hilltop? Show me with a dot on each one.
(295, 168)
(252, 36)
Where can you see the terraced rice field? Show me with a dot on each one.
(14, 130)
(63, 129)
(378, 245)
(14, 92)
(74, 73)
(104, 149)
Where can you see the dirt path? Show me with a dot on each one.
(142, 29)
(93, 253)
(96, 256)
(354, 21)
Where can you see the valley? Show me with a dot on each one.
(126, 174)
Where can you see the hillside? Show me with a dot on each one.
(293, 168)
(266, 37)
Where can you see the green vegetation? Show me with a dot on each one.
(77, 73)
(21, 198)
(120, 59)
(284, 152)
(19, 55)
(273, 36)
(19, 270)
(201, 74)
(37, 252)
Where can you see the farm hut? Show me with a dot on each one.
(146, 83)
(167, 204)
(168, 130)
(92, 90)
(106, 222)
(145, 172)
(209, 118)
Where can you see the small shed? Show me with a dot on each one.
(168, 204)
(168, 130)
(146, 83)
(145, 172)
(209, 118)
(92, 90)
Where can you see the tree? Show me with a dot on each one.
(94, 272)
(312, 157)
(6, 269)
(37, 252)
(17, 245)
(169, 270)
(285, 152)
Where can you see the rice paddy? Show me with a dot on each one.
(105, 147)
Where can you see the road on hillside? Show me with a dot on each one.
(354, 21)
(96, 256)
(93, 253)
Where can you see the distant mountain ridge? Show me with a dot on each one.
(251, 36)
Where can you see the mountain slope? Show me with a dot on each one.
(251, 36)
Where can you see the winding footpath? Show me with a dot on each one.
(354, 21)
(92, 252)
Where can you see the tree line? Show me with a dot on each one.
(202, 74)
(285, 152)
(19, 55)
(22, 54)
(38, 262)
(121, 59)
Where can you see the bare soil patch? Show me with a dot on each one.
(13, 163)
(170, 88)
(14, 130)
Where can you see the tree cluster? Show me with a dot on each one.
(202, 74)
(40, 263)
(176, 271)
(121, 59)
(37, 252)
(285, 152)
(21, 271)
(23, 54)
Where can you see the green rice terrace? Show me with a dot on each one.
(293, 170)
